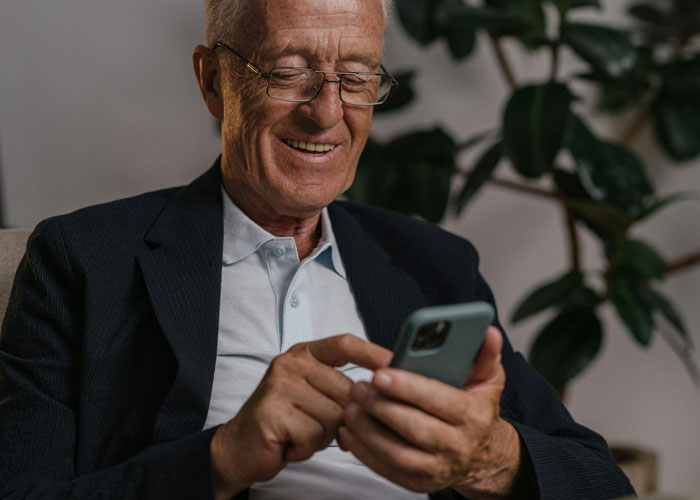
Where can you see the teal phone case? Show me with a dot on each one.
(451, 361)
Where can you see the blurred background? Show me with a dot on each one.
(98, 101)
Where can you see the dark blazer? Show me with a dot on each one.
(109, 344)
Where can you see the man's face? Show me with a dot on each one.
(266, 166)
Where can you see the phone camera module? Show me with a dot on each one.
(431, 336)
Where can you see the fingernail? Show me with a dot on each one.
(382, 379)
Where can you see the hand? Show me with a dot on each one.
(295, 411)
(426, 435)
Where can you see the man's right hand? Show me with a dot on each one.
(295, 411)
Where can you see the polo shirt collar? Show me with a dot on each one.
(243, 237)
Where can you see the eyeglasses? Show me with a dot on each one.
(304, 84)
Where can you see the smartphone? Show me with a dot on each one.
(441, 342)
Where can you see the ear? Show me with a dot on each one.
(207, 71)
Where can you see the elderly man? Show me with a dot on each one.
(185, 343)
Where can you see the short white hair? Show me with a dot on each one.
(222, 16)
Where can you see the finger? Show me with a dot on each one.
(432, 396)
(381, 450)
(487, 365)
(329, 382)
(342, 349)
(298, 363)
(327, 412)
(412, 424)
(305, 436)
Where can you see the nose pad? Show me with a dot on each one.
(326, 109)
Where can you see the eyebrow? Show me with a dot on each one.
(364, 58)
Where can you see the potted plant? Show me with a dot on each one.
(650, 69)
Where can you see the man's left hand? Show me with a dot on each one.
(426, 435)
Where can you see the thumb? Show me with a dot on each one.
(487, 365)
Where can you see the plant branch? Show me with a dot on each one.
(515, 186)
(503, 63)
(640, 121)
(683, 263)
(522, 188)
(555, 48)
(574, 241)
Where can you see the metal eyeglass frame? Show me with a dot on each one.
(339, 81)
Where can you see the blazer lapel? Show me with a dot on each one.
(385, 293)
(182, 273)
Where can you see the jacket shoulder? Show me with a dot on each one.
(106, 229)
(393, 230)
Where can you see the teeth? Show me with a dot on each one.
(310, 146)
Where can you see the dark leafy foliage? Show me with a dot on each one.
(567, 344)
(401, 95)
(603, 184)
(410, 174)
(534, 127)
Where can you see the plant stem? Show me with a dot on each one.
(555, 61)
(637, 125)
(683, 263)
(574, 241)
(522, 188)
(503, 63)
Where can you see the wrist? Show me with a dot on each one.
(224, 472)
(501, 472)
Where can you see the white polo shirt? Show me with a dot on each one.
(269, 302)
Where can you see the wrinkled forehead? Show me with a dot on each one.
(324, 29)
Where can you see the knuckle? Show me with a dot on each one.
(345, 341)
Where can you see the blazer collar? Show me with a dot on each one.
(182, 273)
(384, 292)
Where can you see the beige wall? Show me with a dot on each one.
(98, 101)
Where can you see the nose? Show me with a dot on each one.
(326, 110)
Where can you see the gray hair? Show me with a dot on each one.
(222, 17)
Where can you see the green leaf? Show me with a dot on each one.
(655, 205)
(567, 345)
(570, 185)
(610, 173)
(426, 162)
(376, 177)
(531, 29)
(476, 17)
(548, 295)
(534, 124)
(418, 19)
(606, 221)
(668, 310)
(411, 174)
(461, 39)
(615, 175)
(641, 259)
(649, 13)
(677, 121)
(633, 309)
(400, 95)
(608, 50)
(681, 76)
(480, 174)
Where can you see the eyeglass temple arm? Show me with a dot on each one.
(248, 64)
(394, 81)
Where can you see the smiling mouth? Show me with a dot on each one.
(309, 147)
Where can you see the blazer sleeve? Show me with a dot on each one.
(564, 459)
(40, 351)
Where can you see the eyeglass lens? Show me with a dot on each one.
(298, 84)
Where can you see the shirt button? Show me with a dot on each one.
(295, 301)
(280, 251)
